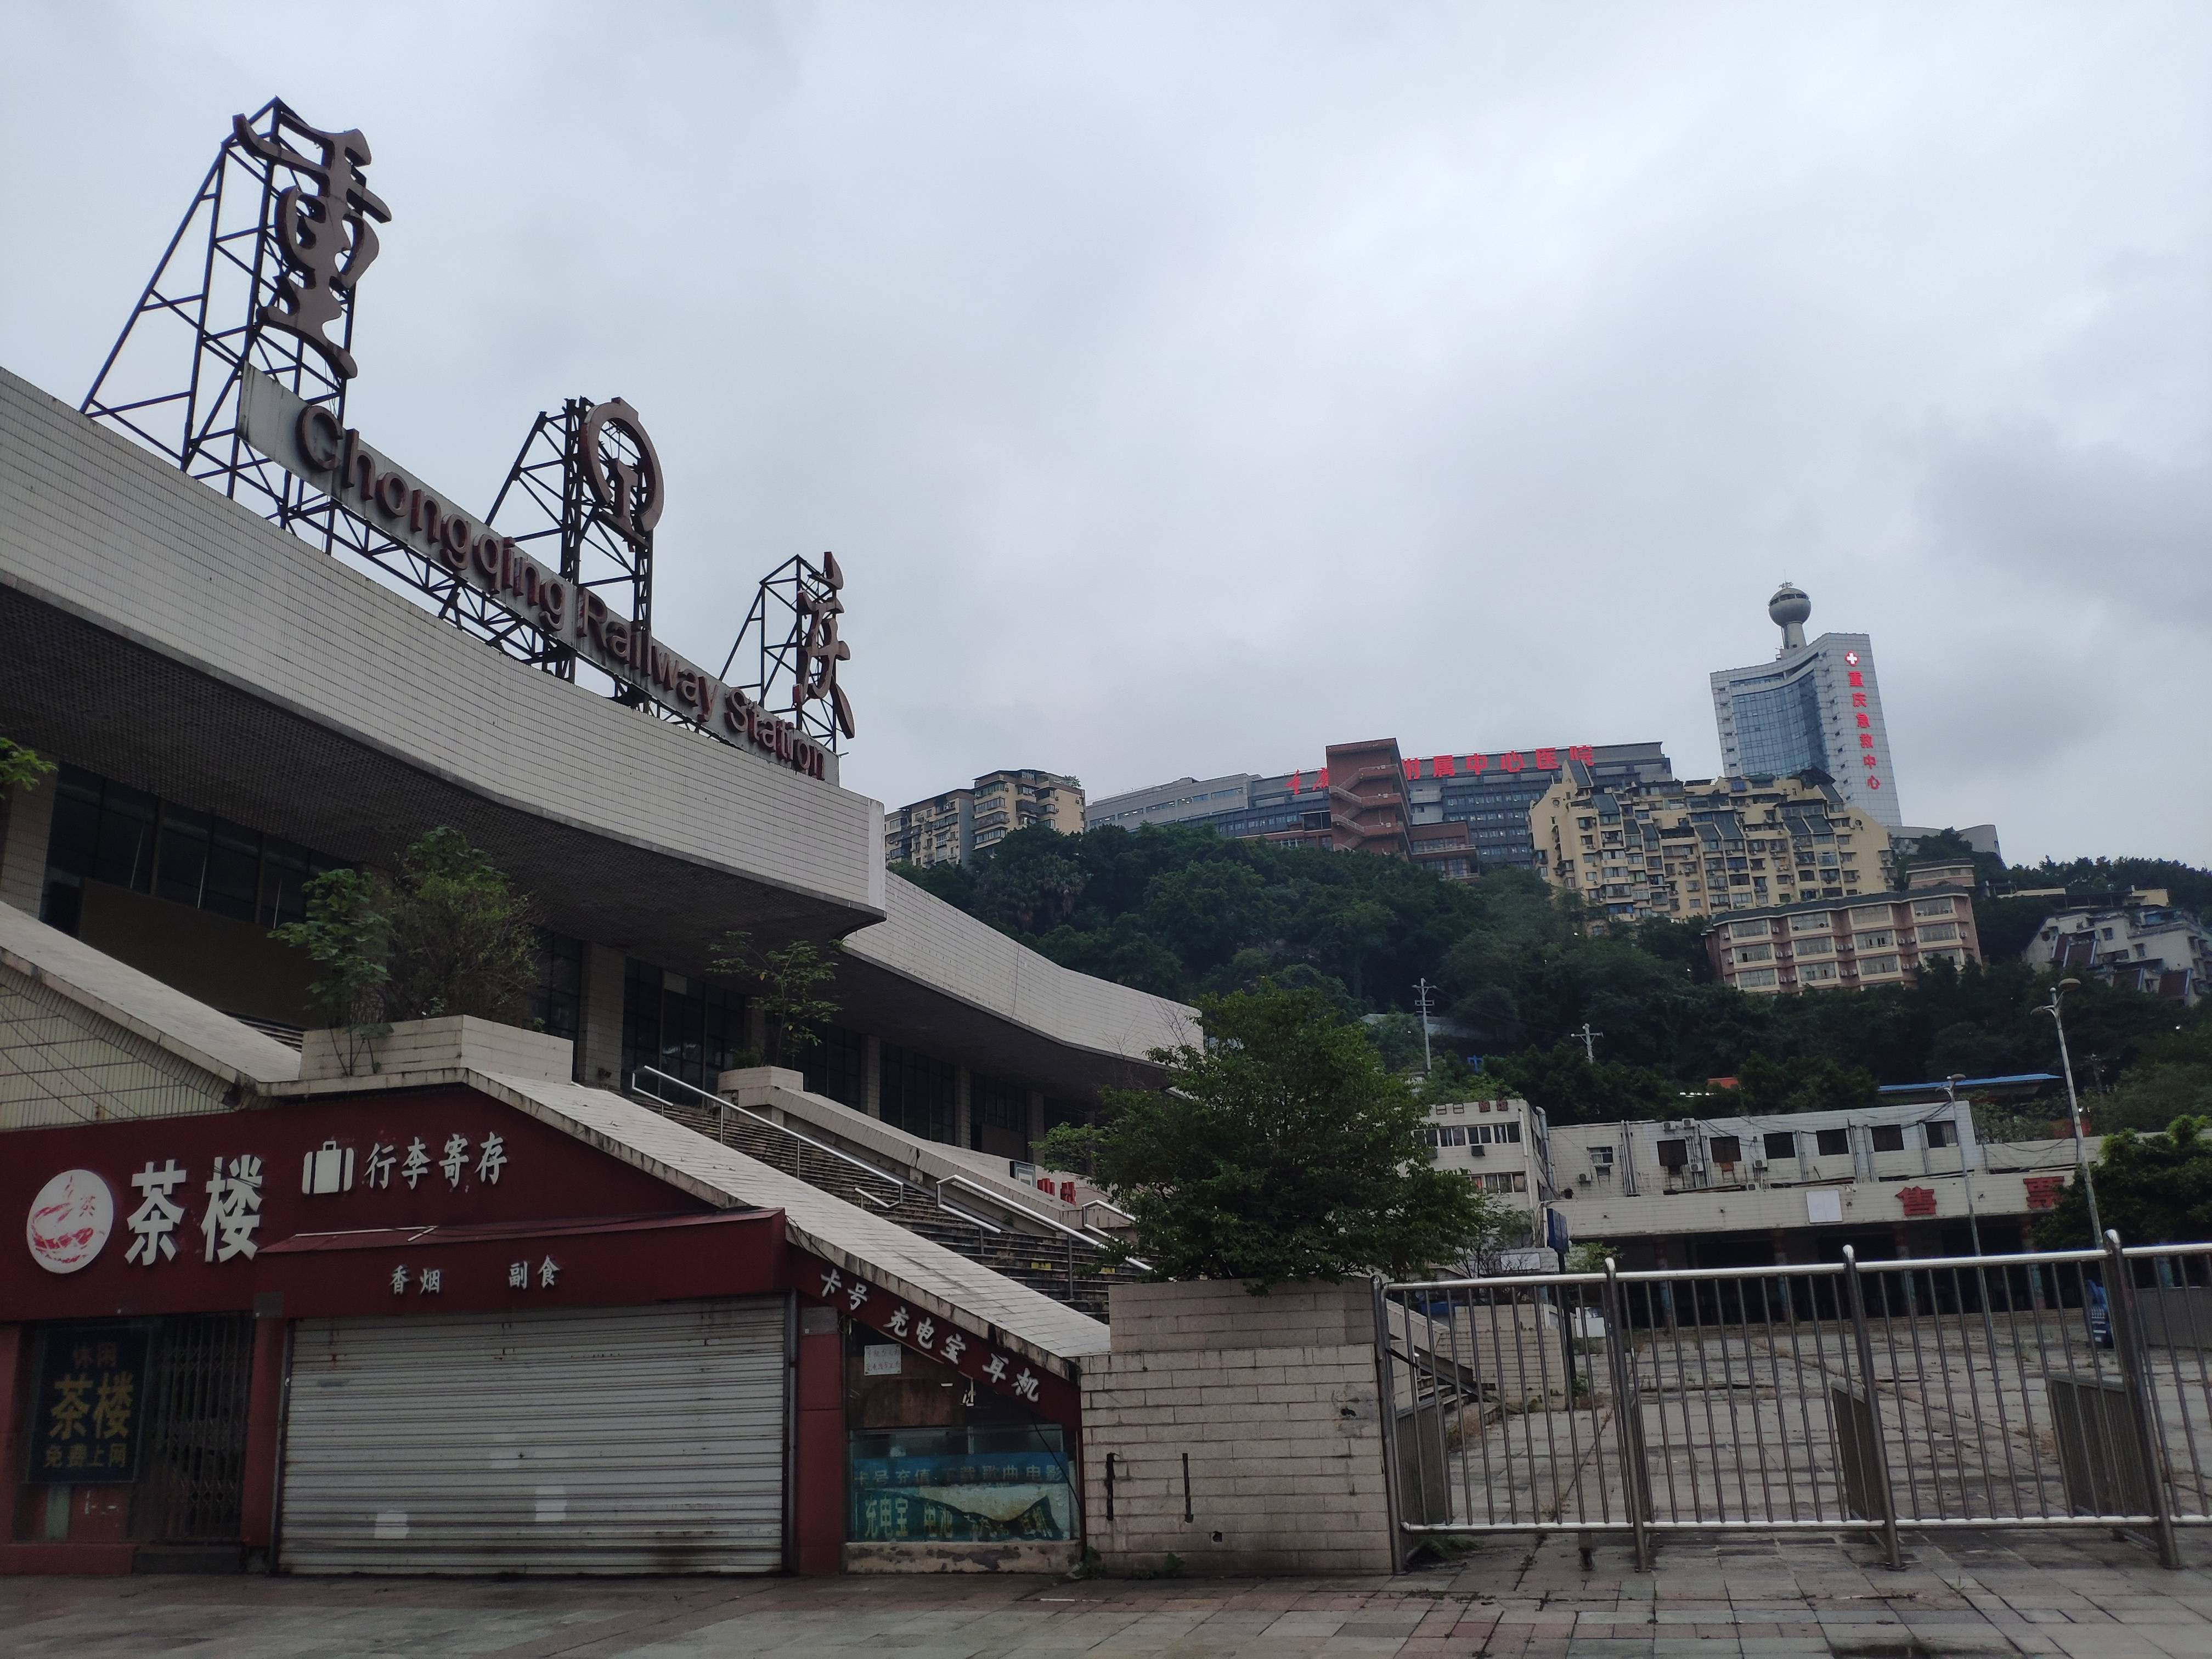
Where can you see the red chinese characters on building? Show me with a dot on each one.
(1916, 1201)
(2043, 1191)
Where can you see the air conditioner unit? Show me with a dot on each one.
(1583, 1180)
(1758, 1164)
(1480, 1150)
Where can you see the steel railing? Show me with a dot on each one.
(2050, 1389)
(1066, 1270)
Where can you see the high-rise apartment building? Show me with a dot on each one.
(953, 827)
(1815, 706)
(1707, 846)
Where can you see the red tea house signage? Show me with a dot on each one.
(425, 1331)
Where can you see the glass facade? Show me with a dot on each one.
(838, 1066)
(107, 831)
(689, 1028)
(918, 1094)
(556, 1006)
(1778, 730)
(998, 1116)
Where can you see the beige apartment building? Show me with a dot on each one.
(953, 827)
(1882, 939)
(1705, 847)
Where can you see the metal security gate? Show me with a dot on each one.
(2064, 1388)
(620, 1440)
(195, 1446)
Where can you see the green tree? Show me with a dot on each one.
(347, 936)
(1281, 1150)
(20, 767)
(463, 939)
(449, 936)
(788, 982)
(2151, 1189)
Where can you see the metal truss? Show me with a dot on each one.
(773, 645)
(174, 379)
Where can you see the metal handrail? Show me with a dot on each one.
(722, 1104)
(1019, 1209)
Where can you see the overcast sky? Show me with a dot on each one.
(1185, 387)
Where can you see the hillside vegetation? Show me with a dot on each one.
(1183, 912)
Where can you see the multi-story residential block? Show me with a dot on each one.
(2145, 944)
(1503, 1146)
(1693, 849)
(953, 827)
(1023, 799)
(1488, 793)
(1846, 945)
(1815, 706)
(1889, 1180)
(941, 830)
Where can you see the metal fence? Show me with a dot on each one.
(2063, 1388)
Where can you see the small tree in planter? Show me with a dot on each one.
(1281, 1150)
(788, 982)
(449, 936)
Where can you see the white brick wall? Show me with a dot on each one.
(96, 526)
(1273, 1400)
(428, 1045)
(929, 941)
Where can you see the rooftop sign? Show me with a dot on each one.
(307, 441)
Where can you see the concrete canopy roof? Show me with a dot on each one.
(161, 634)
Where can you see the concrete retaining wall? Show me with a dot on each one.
(1245, 1431)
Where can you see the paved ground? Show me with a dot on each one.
(2088, 1598)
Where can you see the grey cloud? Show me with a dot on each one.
(1186, 388)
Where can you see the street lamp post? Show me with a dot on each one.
(1958, 1130)
(2074, 1105)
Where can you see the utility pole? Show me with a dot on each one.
(2074, 1105)
(1959, 1132)
(1590, 1042)
(1421, 1001)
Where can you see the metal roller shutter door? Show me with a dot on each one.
(631, 1440)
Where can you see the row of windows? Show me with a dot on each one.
(1474, 1134)
(690, 1029)
(105, 831)
(1783, 1145)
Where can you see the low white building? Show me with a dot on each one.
(2146, 944)
(1890, 1180)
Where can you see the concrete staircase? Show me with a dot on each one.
(1069, 1267)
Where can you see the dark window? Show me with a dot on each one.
(838, 1066)
(556, 1003)
(1781, 1143)
(917, 1093)
(1833, 1143)
(1727, 1149)
(105, 831)
(1943, 1134)
(1889, 1137)
(124, 856)
(234, 871)
(1674, 1154)
(688, 1029)
(181, 866)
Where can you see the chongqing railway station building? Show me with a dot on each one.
(600, 1295)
